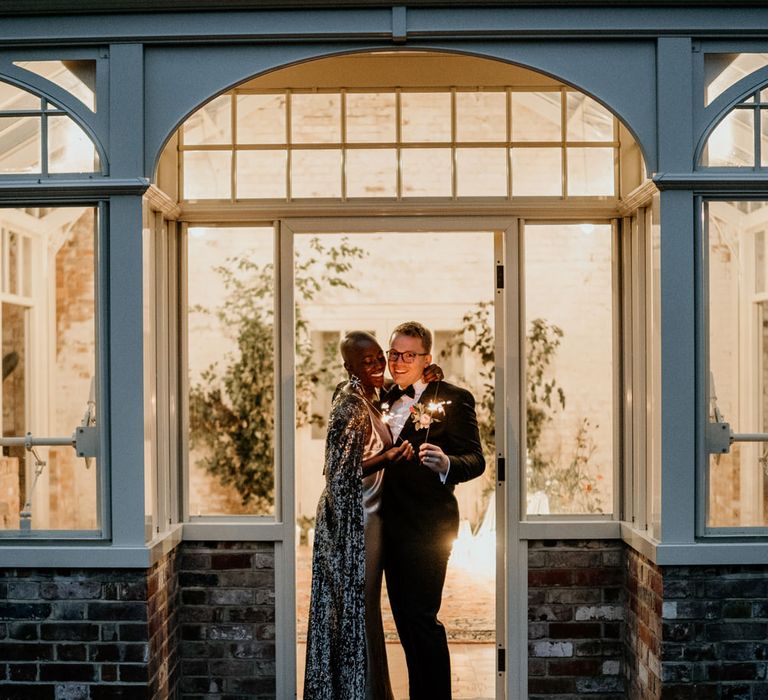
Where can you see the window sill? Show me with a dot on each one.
(700, 553)
(81, 555)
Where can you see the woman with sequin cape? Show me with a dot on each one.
(346, 653)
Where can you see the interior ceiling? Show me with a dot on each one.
(393, 69)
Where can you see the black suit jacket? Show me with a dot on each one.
(416, 504)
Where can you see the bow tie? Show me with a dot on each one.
(396, 392)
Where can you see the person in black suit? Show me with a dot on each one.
(421, 515)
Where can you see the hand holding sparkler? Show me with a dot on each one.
(432, 457)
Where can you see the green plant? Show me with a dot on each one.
(570, 487)
(573, 487)
(232, 407)
(476, 336)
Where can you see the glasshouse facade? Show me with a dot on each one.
(200, 200)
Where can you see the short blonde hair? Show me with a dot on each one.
(414, 329)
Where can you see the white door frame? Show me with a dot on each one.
(511, 558)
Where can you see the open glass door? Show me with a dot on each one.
(371, 275)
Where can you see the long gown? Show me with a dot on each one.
(346, 654)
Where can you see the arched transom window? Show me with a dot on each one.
(399, 144)
(38, 137)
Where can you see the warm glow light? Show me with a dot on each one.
(475, 554)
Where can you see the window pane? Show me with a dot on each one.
(481, 116)
(371, 117)
(26, 266)
(425, 116)
(481, 172)
(76, 77)
(653, 354)
(316, 118)
(536, 116)
(69, 148)
(568, 312)
(587, 120)
(732, 143)
(721, 70)
(738, 363)
(261, 174)
(261, 119)
(20, 139)
(426, 172)
(64, 496)
(590, 172)
(316, 173)
(231, 370)
(211, 124)
(151, 380)
(371, 172)
(13, 262)
(15, 399)
(12, 97)
(207, 174)
(537, 172)
(763, 138)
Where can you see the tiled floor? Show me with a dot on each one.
(468, 613)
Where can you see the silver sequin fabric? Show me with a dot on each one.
(336, 658)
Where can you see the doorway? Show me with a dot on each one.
(305, 162)
(371, 275)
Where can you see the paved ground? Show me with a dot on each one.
(471, 668)
(468, 614)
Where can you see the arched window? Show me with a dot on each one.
(399, 144)
(741, 137)
(38, 137)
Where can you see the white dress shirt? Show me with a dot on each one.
(400, 413)
(400, 410)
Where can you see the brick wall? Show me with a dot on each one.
(227, 620)
(643, 630)
(604, 622)
(576, 613)
(696, 632)
(88, 634)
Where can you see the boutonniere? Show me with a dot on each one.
(423, 416)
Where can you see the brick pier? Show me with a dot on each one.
(575, 619)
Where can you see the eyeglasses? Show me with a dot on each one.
(407, 357)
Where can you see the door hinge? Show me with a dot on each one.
(501, 468)
(501, 660)
(499, 276)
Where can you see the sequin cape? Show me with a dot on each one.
(336, 662)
